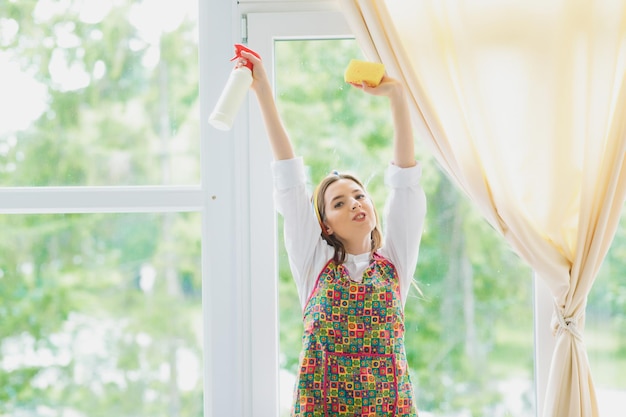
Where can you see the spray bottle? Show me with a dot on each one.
(234, 92)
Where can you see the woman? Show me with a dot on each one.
(351, 281)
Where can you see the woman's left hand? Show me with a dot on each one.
(388, 87)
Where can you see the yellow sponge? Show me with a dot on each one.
(358, 72)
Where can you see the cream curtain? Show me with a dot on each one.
(523, 103)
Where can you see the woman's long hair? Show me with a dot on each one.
(319, 204)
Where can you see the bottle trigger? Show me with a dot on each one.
(238, 48)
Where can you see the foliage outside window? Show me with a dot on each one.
(106, 91)
(101, 313)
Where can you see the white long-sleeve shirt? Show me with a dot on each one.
(403, 223)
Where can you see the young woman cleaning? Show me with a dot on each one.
(352, 279)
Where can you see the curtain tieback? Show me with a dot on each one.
(568, 324)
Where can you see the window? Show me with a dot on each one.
(100, 266)
(138, 244)
(107, 91)
(98, 311)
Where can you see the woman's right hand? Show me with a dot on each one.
(388, 86)
(259, 76)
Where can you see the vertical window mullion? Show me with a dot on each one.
(223, 262)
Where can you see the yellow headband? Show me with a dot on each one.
(315, 206)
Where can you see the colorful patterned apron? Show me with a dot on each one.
(353, 361)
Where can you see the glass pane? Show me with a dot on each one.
(98, 93)
(605, 328)
(465, 356)
(101, 315)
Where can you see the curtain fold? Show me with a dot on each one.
(523, 104)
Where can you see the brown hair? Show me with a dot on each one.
(319, 205)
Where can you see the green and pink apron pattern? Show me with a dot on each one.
(353, 361)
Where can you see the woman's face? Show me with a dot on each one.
(349, 213)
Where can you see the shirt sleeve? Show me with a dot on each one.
(306, 249)
(403, 221)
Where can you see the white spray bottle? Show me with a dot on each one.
(234, 92)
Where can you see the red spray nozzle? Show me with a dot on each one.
(238, 48)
